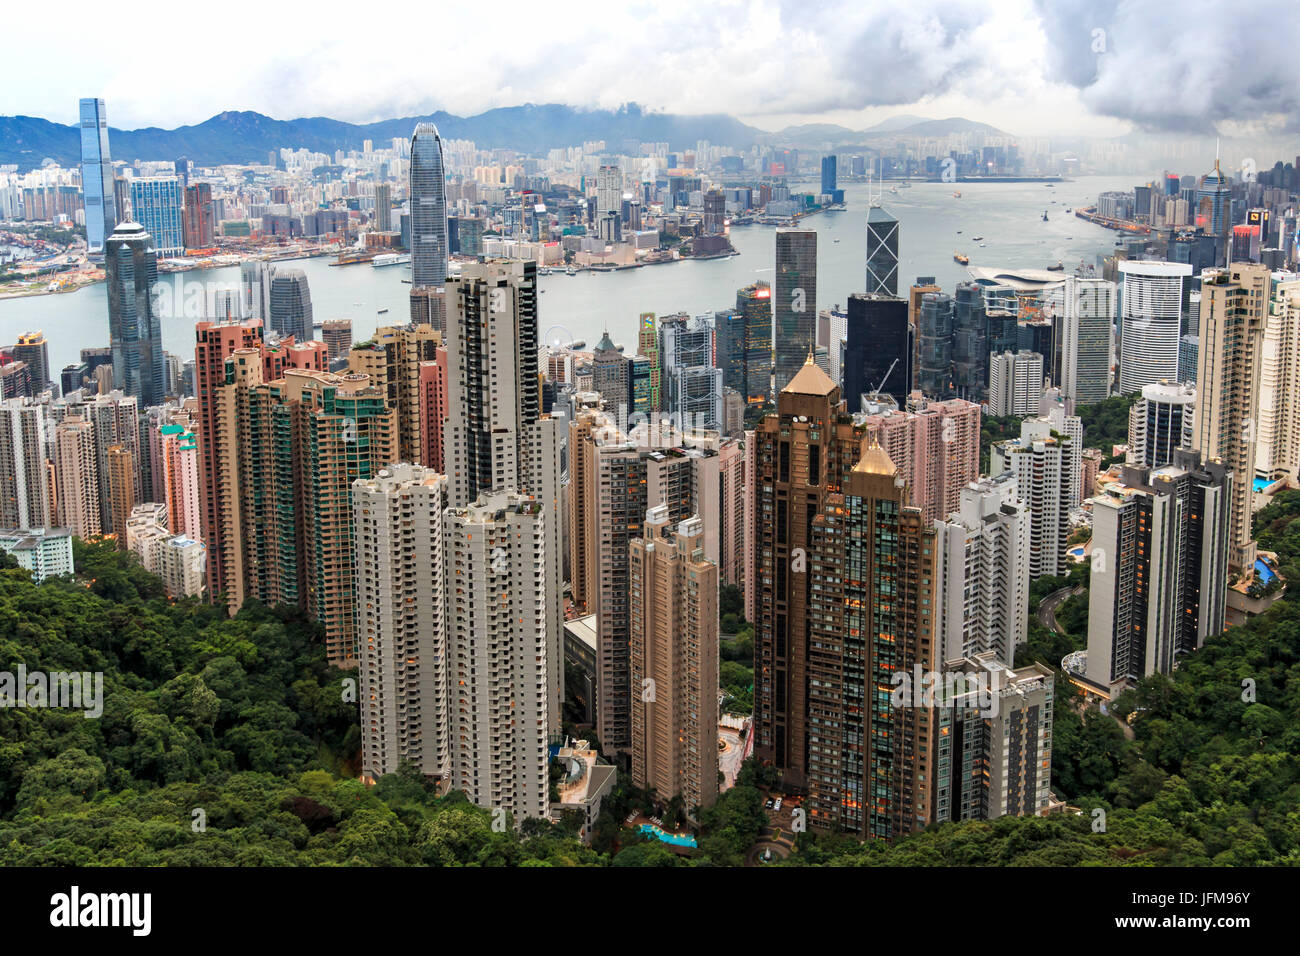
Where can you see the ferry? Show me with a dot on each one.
(381, 311)
(977, 239)
(960, 259)
(390, 259)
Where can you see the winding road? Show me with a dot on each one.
(1049, 605)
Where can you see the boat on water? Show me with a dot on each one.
(834, 240)
(390, 259)
(570, 271)
(1059, 267)
(956, 195)
(381, 311)
(960, 259)
(977, 239)
(1044, 215)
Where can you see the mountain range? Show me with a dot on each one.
(247, 137)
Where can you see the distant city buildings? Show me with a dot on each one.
(157, 204)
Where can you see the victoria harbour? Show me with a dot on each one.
(933, 225)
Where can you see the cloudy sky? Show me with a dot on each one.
(1100, 67)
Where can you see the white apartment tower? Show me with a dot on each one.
(1151, 308)
(984, 572)
(497, 651)
(1015, 383)
(401, 622)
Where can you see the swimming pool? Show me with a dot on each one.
(1263, 571)
(1261, 484)
(651, 830)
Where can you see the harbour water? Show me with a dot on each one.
(933, 225)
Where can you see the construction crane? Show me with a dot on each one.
(875, 396)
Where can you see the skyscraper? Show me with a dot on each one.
(1015, 383)
(754, 302)
(134, 331)
(983, 572)
(1159, 422)
(673, 607)
(1151, 302)
(76, 474)
(496, 436)
(1045, 463)
(1087, 323)
(428, 198)
(157, 204)
(392, 359)
(795, 308)
(199, 227)
(499, 651)
(1277, 453)
(692, 384)
(402, 656)
(882, 252)
(830, 178)
(383, 207)
(97, 176)
(24, 475)
(33, 349)
(1234, 310)
(255, 284)
(1158, 580)
(935, 341)
(878, 349)
(290, 305)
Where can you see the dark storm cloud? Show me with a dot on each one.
(1184, 66)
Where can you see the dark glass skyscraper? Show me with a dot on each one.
(290, 306)
(936, 345)
(830, 178)
(755, 303)
(882, 252)
(878, 349)
(97, 176)
(134, 331)
(795, 309)
(428, 195)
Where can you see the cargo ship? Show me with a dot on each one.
(960, 259)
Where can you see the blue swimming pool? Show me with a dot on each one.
(1261, 484)
(651, 830)
(1263, 571)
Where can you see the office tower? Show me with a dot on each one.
(1151, 300)
(76, 477)
(122, 478)
(1188, 346)
(433, 411)
(970, 342)
(936, 448)
(1158, 587)
(199, 229)
(1159, 422)
(392, 358)
(923, 286)
(498, 636)
(794, 309)
(673, 607)
(830, 179)
(983, 572)
(46, 552)
(429, 250)
(994, 748)
(496, 436)
(1045, 463)
(383, 207)
(714, 221)
(102, 212)
(803, 452)
(691, 382)
(754, 302)
(1086, 327)
(337, 336)
(1015, 383)
(24, 475)
(878, 350)
(729, 348)
(290, 305)
(34, 350)
(1213, 208)
(609, 190)
(610, 376)
(402, 654)
(134, 330)
(882, 252)
(221, 348)
(176, 559)
(156, 205)
(935, 335)
(647, 344)
(1234, 310)
(255, 284)
(1277, 452)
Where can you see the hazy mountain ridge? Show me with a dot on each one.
(245, 137)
